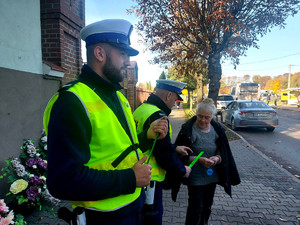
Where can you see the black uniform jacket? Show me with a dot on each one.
(227, 169)
(164, 151)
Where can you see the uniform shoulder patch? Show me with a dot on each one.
(161, 114)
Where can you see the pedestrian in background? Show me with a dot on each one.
(215, 166)
(93, 155)
(164, 157)
(178, 104)
(268, 98)
(275, 99)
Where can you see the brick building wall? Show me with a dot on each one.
(129, 84)
(142, 95)
(61, 22)
(135, 96)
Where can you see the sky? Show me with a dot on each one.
(277, 49)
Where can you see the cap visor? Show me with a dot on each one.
(179, 97)
(130, 51)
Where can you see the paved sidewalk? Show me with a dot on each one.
(267, 195)
(286, 107)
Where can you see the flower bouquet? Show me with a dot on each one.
(27, 176)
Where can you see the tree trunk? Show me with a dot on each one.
(199, 80)
(191, 99)
(214, 75)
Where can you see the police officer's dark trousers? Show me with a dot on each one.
(152, 214)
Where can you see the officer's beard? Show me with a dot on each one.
(111, 72)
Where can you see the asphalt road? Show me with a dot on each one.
(283, 144)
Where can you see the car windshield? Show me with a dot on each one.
(225, 98)
(249, 87)
(244, 105)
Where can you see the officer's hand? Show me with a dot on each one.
(183, 150)
(158, 126)
(142, 172)
(188, 171)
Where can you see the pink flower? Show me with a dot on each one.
(2, 203)
(7, 220)
(3, 207)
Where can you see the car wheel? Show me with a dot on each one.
(270, 129)
(233, 127)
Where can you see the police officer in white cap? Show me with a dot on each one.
(94, 158)
(165, 156)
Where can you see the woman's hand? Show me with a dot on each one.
(216, 159)
(207, 163)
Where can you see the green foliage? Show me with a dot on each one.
(21, 199)
(20, 220)
(175, 74)
(162, 75)
(148, 85)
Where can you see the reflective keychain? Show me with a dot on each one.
(209, 172)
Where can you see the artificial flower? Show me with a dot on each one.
(18, 186)
(19, 168)
(32, 193)
(36, 180)
(3, 207)
(31, 162)
(8, 219)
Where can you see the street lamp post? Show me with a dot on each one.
(289, 82)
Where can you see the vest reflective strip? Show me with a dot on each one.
(132, 124)
(116, 140)
(141, 114)
(47, 112)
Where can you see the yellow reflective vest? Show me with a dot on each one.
(141, 114)
(109, 140)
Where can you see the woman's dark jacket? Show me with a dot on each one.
(228, 174)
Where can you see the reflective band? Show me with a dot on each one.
(122, 156)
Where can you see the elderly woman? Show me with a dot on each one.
(215, 166)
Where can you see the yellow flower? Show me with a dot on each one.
(18, 186)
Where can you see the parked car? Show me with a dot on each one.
(223, 101)
(247, 113)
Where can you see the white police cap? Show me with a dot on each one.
(115, 32)
(171, 85)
